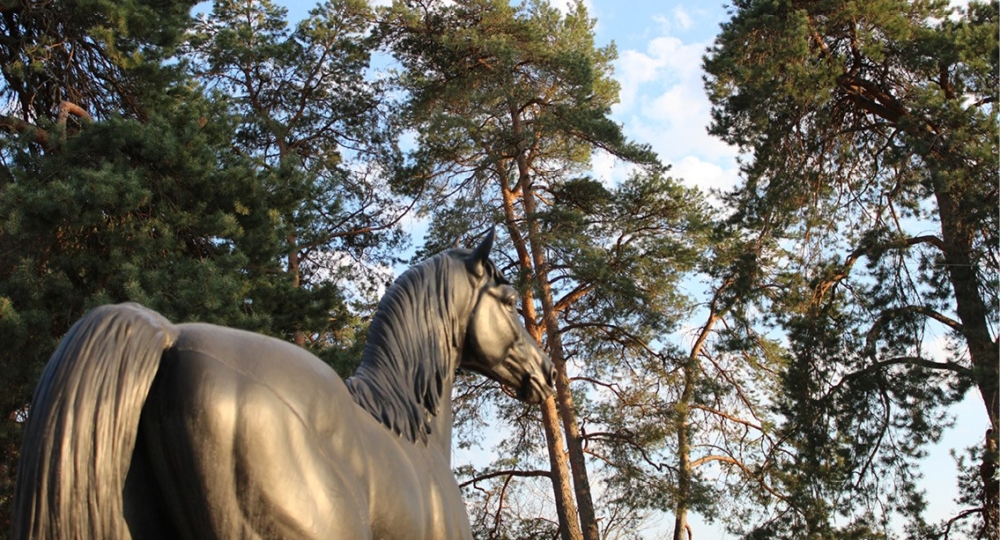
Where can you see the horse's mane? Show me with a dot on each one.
(408, 354)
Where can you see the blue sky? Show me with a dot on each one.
(662, 100)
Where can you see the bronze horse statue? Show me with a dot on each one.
(143, 429)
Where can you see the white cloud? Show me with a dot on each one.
(608, 169)
(666, 60)
(632, 71)
(566, 6)
(705, 175)
(663, 103)
(664, 23)
(682, 18)
(680, 105)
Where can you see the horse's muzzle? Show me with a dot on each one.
(537, 386)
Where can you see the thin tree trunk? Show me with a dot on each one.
(298, 336)
(988, 475)
(684, 452)
(567, 411)
(294, 259)
(569, 528)
(684, 467)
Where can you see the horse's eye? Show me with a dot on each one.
(510, 300)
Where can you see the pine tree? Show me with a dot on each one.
(155, 212)
(509, 104)
(316, 122)
(870, 130)
(118, 181)
(84, 58)
(63, 65)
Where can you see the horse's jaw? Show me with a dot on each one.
(530, 382)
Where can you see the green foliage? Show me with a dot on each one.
(101, 55)
(157, 212)
(315, 121)
(872, 181)
(489, 82)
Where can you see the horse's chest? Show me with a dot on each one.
(415, 499)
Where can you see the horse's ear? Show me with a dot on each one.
(477, 264)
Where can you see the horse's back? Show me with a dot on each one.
(248, 437)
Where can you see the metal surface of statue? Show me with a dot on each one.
(144, 429)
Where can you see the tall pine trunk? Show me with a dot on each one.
(564, 398)
(958, 235)
(569, 528)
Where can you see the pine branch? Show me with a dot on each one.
(727, 416)
(901, 360)
(888, 315)
(17, 126)
(962, 515)
(508, 473)
(823, 287)
(14, 125)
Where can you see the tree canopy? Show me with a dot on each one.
(126, 175)
(870, 135)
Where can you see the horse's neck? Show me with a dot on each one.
(407, 372)
(439, 438)
(440, 420)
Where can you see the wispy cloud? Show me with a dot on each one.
(682, 18)
(565, 6)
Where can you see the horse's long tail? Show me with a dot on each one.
(83, 422)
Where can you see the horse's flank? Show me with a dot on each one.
(301, 460)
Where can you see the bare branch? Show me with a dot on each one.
(743, 467)
(727, 416)
(66, 109)
(11, 124)
(844, 271)
(631, 442)
(962, 515)
(912, 360)
(507, 473)
(725, 459)
(890, 314)
(571, 297)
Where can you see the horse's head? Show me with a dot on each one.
(497, 344)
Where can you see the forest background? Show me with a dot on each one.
(768, 292)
